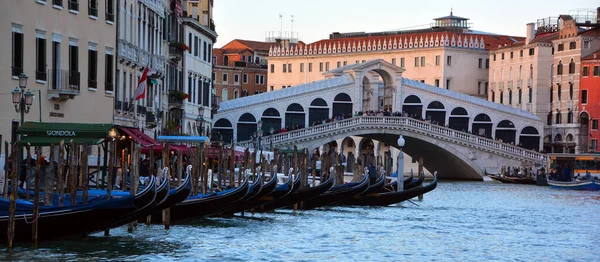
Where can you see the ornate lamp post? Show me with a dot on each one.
(200, 121)
(271, 130)
(21, 98)
(400, 164)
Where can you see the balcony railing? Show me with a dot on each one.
(118, 105)
(176, 52)
(128, 51)
(571, 78)
(141, 109)
(557, 79)
(63, 84)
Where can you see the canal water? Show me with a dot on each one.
(459, 221)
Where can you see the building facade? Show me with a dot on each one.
(589, 101)
(68, 51)
(447, 55)
(198, 29)
(241, 69)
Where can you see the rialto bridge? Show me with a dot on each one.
(361, 109)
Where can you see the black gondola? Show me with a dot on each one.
(302, 194)
(255, 189)
(394, 184)
(57, 222)
(280, 192)
(388, 198)
(338, 193)
(208, 204)
(175, 196)
(255, 201)
(376, 187)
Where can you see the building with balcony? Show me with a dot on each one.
(589, 101)
(199, 34)
(68, 49)
(446, 54)
(141, 26)
(240, 68)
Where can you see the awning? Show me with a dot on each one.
(137, 136)
(44, 134)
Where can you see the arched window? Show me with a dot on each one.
(559, 68)
(510, 97)
(225, 60)
(559, 92)
(572, 67)
(531, 71)
(570, 117)
(520, 71)
(412, 99)
(493, 96)
(520, 96)
(571, 91)
(501, 97)
(236, 94)
(531, 95)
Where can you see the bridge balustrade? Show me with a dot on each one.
(397, 123)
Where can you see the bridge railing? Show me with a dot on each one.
(399, 122)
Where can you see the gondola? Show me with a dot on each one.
(175, 196)
(388, 198)
(208, 204)
(280, 193)
(338, 193)
(255, 189)
(255, 201)
(57, 222)
(394, 184)
(511, 179)
(302, 194)
(376, 187)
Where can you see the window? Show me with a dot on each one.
(594, 124)
(205, 51)
(594, 145)
(510, 97)
(559, 68)
(196, 46)
(345, 63)
(393, 61)
(586, 71)
(584, 96)
(339, 64)
(289, 68)
(558, 118)
(480, 62)
(236, 78)
(521, 53)
(502, 55)
(437, 82)
(320, 66)
(449, 60)
(284, 68)
(486, 88)
(108, 73)
(309, 67)
(259, 79)
(93, 8)
(301, 67)
(596, 71)
(57, 3)
(494, 57)
(560, 47)
(17, 53)
(530, 95)
(501, 97)
(272, 68)
(249, 58)
(511, 55)
(73, 65)
(559, 91)
(422, 81)
(572, 67)
(422, 61)
(493, 96)
(245, 78)
(572, 45)
(243, 58)
(40, 61)
(74, 5)
(326, 66)
(586, 44)
(448, 84)
(531, 51)
(225, 76)
(479, 88)
(551, 95)
(110, 13)
(416, 61)
(520, 96)
(402, 62)
(437, 60)
(271, 88)
(487, 63)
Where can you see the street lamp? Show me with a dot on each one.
(200, 120)
(401, 142)
(400, 165)
(271, 130)
(22, 99)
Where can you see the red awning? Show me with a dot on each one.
(149, 143)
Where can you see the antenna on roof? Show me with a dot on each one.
(450, 11)
(292, 20)
(281, 28)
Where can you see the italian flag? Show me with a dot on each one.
(140, 91)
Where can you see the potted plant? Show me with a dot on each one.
(178, 94)
(179, 45)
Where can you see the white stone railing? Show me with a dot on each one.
(368, 122)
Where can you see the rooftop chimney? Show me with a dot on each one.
(530, 33)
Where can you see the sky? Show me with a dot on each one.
(316, 19)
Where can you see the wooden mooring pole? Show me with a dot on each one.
(165, 160)
(36, 197)
(112, 152)
(13, 196)
(5, 174)
(420, 171)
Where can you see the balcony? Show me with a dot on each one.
(158, 64)
(176, 98)
(493, 86)
(144, 57)
(141, 110)
(558, 79)
(519, 83)
(128, 52)
(509, 84)
(501, 86)
(63, 84)
(150, 120)
(176, 50)
(530, 82)
(571, 78)
(570, 104)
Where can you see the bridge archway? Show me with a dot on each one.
(246, 126)
(271, 119)
(482, 125)
(506, 131)
(294, 116)
(378, 90)
(413, 106)
(436, 112)
(318, 111)
(530, 138)
(459, 119)
(342, 105)
(225, 128)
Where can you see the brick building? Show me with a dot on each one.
(590, 98)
